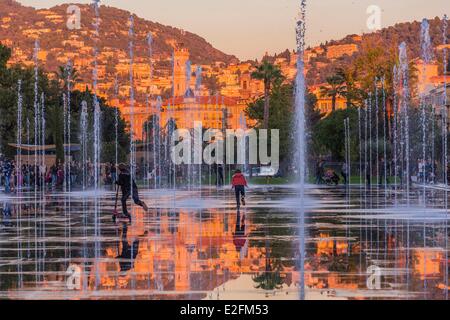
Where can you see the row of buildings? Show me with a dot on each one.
(182, 256)
(185, 97)
(190, 100)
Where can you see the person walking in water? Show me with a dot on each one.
(344, 173)
(7, 173)
(239, 183)
(320, 172)
(124, 181)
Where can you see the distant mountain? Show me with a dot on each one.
(21, 25)
(322, 60)
(409, 32)
(389, 38)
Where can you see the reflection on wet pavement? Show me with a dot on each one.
(360, 244)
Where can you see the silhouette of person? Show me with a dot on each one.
(7, 214)
(129, 251)
(124, 181)
(238, 183)
(239, 236)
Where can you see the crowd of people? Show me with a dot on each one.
(32, 176)
(425, 171)
(26, 176)
(422, 171)
(329, 176)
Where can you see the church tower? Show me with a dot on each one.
(180, 57)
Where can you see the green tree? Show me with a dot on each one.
(334, 88)
(270, 279)
(151, 127)
(9, 77)
(329, 134)
(270, 75)
(212, 84)
(54, 129)
(376, 61)
(281, 98)
(108, 126)
(282, 117)
(65, 73)
(349, 91)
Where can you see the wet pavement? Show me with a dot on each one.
(359, 244)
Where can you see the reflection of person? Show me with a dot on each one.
(239, 183)
(124, 181)
(7, 172)
(239, 237)
(129, 251)
(7, 213)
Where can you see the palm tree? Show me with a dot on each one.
(66, 72)
(271, 75)
(349, 90)
(55, 129)
(213, 84)
(270, 278)
(333, 89)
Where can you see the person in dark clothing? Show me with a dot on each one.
(220, 175)
(54, 172)
(239, 237)
(124, 181)
(7, 214)
(239, 183)
(344, 173)
(428, 171)
(129, 252)
(113, 170)
(218, 170)
(320, 172)
(7, 173)
(368, 175)
(381, 173)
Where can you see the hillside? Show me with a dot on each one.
(389, 38)
(21, 25)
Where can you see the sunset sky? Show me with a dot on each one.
(248, 28)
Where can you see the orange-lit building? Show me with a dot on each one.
(188, 105)
(325, 103)
(215, 112)
(427, 76)
(337, 51)
(180, 254)
(180, 57)
(427, 262)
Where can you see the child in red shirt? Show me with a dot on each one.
(239, 183)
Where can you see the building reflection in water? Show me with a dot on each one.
(197, 253)
(179, 252)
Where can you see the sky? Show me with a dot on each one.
(249, 28)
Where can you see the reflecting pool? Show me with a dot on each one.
(360, 244)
